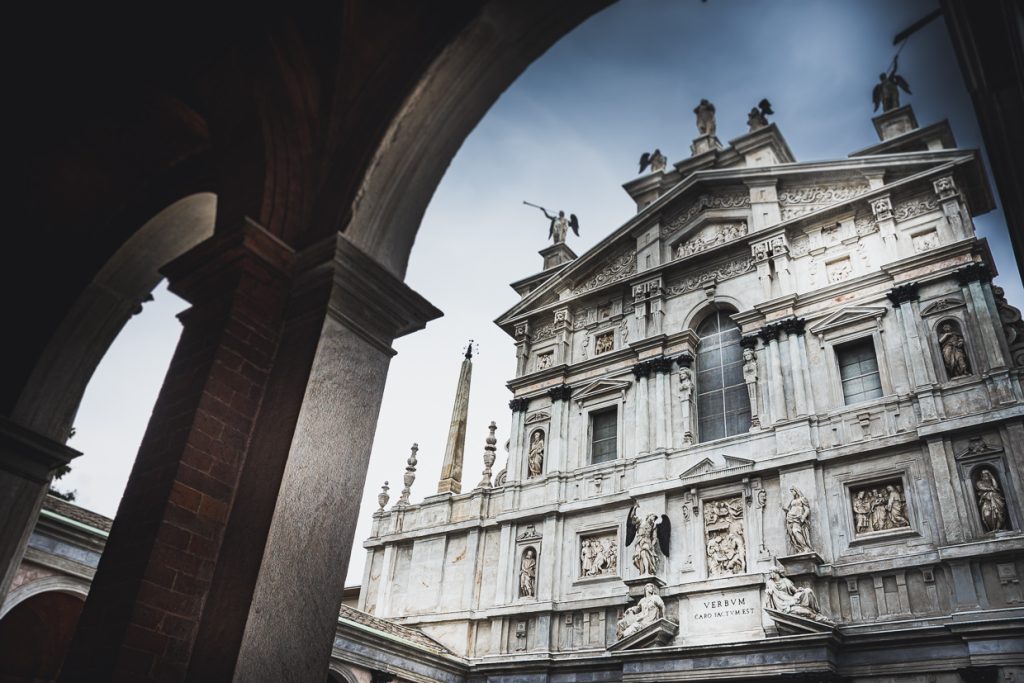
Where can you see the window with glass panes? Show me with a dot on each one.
(603, 433)
(858, 371)
(723, 405)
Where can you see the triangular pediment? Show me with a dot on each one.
(703, 467)
(941, 306)
(977, 446)
(793, 625)
(847, 316)
(715, 463)
(601, 387)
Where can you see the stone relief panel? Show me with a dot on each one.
(731, 200)
(711, 236)
(839, 270)
(543, 333)
(913, 207)
(604, 342)
(797, 201)
(724, 536)
(599, 555)
(545, 360)
(879, 507)
(925, 241)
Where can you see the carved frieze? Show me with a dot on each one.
(732, 200)
(711, 236)
(543, 333)
(724, 270)
(604, 342)
(616, 269)
(797, 201)
(911, 208)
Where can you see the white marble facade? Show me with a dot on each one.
(907, 458)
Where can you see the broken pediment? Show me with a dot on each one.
(846, 317)
(660, 632)
(715, 463)
(975, 447)
(601, 387)
(792, 625)
(941, 306)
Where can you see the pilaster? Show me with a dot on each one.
(794, 329)
(770, 335)
(903, 299)
(642, 371)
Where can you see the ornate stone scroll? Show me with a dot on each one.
(599, 555)
(879, 507)
(616, 269)
(725, 538)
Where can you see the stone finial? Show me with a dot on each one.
(489, 455)
(410, 475)
(383, 497)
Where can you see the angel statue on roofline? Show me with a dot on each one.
(559, 224)
(887, 91)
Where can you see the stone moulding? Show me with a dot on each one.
(724, 270)
(618, 268)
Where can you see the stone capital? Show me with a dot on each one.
(749, 341)
(562, 392)
(369, 300)
(661, 365)
(770, 332)
(791, 326)
(685, 359)
(945, 187)
(972, 272)
(30, 455)
(519, 405)
(903, 293)
(642, 369)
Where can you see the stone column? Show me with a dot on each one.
(661, 367)
(557, 441)
(641, 371)
(514, 465)
(794, 328)
(904, 300)
(28, 461)
(327, 460)
(770, 335)
(973, 278)
(647, 300)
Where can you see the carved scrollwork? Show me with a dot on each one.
(733, 200)
(616, 269)
(725, 270)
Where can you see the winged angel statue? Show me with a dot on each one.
(559, 224)
(887, 90)
(650, 534)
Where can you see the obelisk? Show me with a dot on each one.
(451, 469)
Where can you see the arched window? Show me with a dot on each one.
(723, 408)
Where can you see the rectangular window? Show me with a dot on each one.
(604, 426)
(858, 371)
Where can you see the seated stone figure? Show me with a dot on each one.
(647, 611)
(782, 595)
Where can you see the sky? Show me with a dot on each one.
(567, 134)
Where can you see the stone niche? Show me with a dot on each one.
(725, 536)
(879, 508)
(598, 555)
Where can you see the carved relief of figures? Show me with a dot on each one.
(991, 502)
(750, 377)
(954, 350)
(782, 595)
(880, 507)
(723, 528)
(650, 533)
(599, 556)
(536, 457)
(528, 574)
(798, 527)
(647, 611)
(604, 343)
(711, 237)
(545, 360)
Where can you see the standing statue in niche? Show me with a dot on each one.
(528, 574)
(798, 527)
(954, 352)
(536, 457)
(650, 533)
(649, 610)
(990, 501)
(887, 91)
(750, 377)
(782, 595)
(705, 112)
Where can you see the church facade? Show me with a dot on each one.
(771, 427)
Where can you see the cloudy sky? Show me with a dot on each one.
(566, 135)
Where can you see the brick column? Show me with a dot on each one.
(172, 593)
